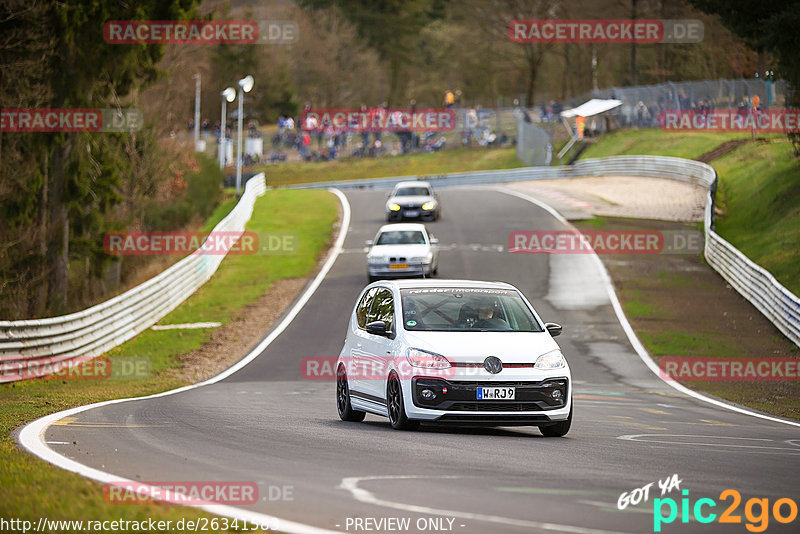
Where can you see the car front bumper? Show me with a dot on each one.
(456, 400)
(410, 213)
(389, 270)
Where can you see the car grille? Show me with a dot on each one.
(480, 364)
(494, 407)
(493, 420)
(484, 383)
(461, 395)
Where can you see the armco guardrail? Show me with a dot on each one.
(51, 344)
(653, 166)
(757, 285)
(753, 282)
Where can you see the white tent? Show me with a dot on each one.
(592, 107)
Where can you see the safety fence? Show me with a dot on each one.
(56, 342)
(753, 282)
(642, 104)
(534, 144)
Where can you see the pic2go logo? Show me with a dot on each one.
(756, 511)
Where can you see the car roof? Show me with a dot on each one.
(402, 227)
(415, 183)
(428, 283)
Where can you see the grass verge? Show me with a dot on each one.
(652, 141)
(421, 164)
(759, 194)
(31, 488)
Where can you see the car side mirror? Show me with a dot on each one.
(434, 241)
(369, 242)
(377, 328)
(553, 328)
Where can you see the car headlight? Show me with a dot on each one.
(550, 360)
(374, 259)
(426, 360)
(394, 207)
(429, 205)
(421, 259)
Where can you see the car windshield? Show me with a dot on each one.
(458, 309)
(412, 192)
(401, 237)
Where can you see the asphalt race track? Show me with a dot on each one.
(269, 425)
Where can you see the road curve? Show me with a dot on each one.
(267, 424)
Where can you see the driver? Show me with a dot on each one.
(486, 318)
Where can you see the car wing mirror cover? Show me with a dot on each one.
(553, 328)
(377, 328)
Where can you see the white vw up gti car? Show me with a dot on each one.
(452, 352)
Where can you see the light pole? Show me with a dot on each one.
(245, 85)
(196, 110)
(228, 95)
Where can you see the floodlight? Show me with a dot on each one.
(246, 83)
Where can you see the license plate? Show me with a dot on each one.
(399, 266)
(412, 213)
(495, 393)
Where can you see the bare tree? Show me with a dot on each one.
(493, 19)
(330, 65)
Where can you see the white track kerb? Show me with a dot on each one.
(637, 345)
(32, 435)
